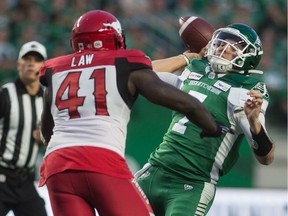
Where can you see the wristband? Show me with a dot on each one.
(185, 58)
(262, 143)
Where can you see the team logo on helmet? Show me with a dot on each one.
(259, 46)
(115, 25)
(258, 42)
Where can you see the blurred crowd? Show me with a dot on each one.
(152, 26)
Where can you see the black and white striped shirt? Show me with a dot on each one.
(20, 114)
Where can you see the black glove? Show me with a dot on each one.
(221, 129)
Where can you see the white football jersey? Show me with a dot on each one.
(90, 101)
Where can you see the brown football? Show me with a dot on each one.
(195, 32)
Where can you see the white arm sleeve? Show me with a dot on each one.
(170, 78)
(236, 99)
(244, 125)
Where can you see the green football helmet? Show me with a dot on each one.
(242, 41)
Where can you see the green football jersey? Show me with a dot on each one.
(182, 152)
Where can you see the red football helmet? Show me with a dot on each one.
(97, 30)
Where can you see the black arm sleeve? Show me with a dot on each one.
(263, 143)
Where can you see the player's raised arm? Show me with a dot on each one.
(263, 147)
(195, 33)
(147, 83)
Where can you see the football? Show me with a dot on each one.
(195, 32)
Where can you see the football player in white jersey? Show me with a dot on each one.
(182, 173)
(88, 98)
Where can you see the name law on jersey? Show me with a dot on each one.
(82, 60)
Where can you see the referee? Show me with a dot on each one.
(21, 104)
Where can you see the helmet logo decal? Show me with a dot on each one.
(98, 44)
(115, 25)
(80, 46)
(258, 42)
(259, 46)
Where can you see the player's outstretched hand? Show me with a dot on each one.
(220, 131)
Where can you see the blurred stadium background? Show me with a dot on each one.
(152, 26)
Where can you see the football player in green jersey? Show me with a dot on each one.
(181, 174)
